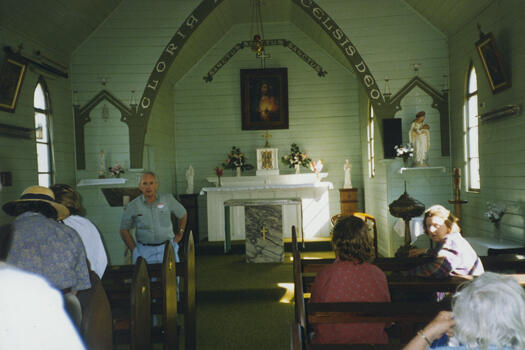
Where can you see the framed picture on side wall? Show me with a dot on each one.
(11, 77)
(264, 99)
(492, 63)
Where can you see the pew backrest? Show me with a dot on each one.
(96, 325)
(140, 313)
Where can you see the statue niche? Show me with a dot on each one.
(136, 127)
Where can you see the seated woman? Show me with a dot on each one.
(96, 254)
(452, 254)
(487, 313)
(351, 278)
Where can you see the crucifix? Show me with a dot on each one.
(264, 230)
(458, 202)
(263, 56)
(267, 137)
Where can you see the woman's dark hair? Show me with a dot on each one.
(6, 237)
(350, 239)
(67, 196)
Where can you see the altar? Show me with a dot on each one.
(311, 217)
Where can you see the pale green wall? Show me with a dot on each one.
(19, 155)
(323, 114)
(327, 115)
(123, 50)
(501, 141)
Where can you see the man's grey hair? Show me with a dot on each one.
(149, 173)
(490, 310)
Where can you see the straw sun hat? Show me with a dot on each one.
(38, 198)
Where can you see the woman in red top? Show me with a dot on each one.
(351, 278)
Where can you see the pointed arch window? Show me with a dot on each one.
(370, 141)
(472, 132)
(43, 135)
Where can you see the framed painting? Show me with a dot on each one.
(264, 99)
(11, 77)
(492, 63)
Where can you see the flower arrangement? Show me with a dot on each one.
(116, 170)
(316, 166)
(296, 157)
(404, 152)
(219, 171)
(495, 211)
(236, 159)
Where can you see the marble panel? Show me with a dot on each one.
(264, 236)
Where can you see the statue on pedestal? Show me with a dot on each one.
(189, 179)
(419, 137)
(348, 179)
(101, 165)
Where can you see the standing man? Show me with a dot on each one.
(150, 214)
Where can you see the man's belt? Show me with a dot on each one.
(153, 244)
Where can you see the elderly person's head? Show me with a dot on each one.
(350, 239)
(490, 310)
(438, 222)
(67, 196)
(38, 199)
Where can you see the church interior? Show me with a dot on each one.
(93, 93)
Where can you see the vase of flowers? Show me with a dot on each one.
(494, 213)
(316, 167)
(116, 170)
(236, 159)
(219, 171)
(296, 158)
(405, 152)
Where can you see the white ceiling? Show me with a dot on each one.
(64, 24)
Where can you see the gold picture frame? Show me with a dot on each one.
(492, 63)
(11, 78)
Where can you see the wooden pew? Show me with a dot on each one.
(163, 279)
(405, 314)
(506, 263)
(164, 295)
(96, 325)
(130, 305)
(166, 291)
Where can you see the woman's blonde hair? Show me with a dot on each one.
(350, 239)
(67, 196)
(440, 211)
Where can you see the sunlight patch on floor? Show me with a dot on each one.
(288, 296)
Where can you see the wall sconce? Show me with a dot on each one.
(132, 101)
(387, 92)
(416, 67)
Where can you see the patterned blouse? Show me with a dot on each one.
(49, 249)
(452, 256)
(346, 281)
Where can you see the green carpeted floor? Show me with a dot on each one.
(238, 304)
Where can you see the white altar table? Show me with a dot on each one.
(313, 192)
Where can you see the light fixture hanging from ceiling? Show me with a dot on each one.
(257, 31)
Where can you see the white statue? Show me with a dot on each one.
(348, 178)
(419, 137)
(101, 164)
(189, 179)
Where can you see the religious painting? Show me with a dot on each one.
(492, 63)
(264, 99)
(11, 77)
